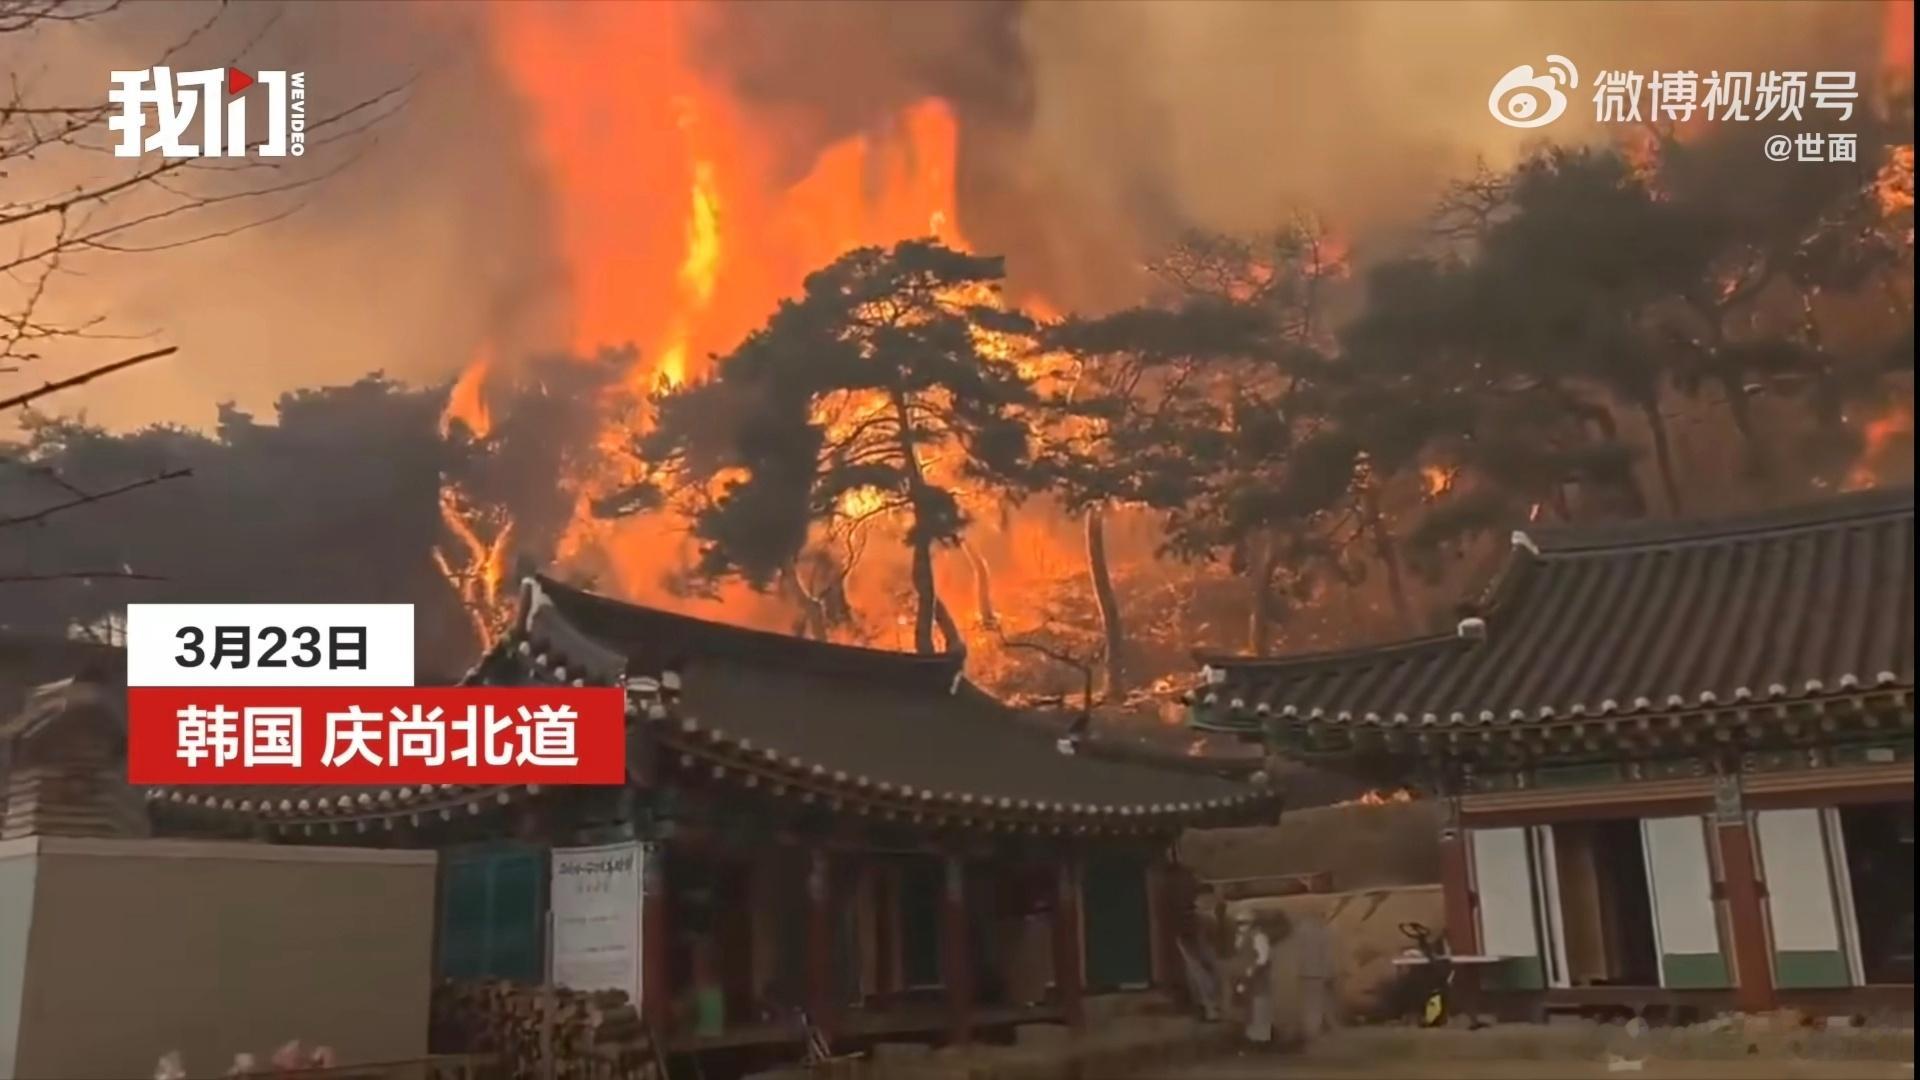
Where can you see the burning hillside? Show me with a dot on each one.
(687, 212)
(1172, 355)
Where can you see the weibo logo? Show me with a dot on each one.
(1522, 99)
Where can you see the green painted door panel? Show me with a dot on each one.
(1115, 917)
(922, 883)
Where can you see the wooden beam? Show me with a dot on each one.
(656, 990)
(1752, 956)
(1168, 908)
(820, 997)
(1462, 926)
(886, 926)
(957, 955)
(1456, 890)
(1068, 977)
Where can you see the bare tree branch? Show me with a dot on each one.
(44, 472)
(99, 496)
(85, 377)
(80, 575)
(21, 15)
(1059, 656)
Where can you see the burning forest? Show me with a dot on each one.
(805, 353)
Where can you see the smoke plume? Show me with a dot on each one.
(1088, 135)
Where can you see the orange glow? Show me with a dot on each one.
(679, 228)
(1893, 186)
(479, 577)
(468, 403)
(675, 228)
(1896, 41)
(1882, 436)
(1437, 480)
(1380, 798)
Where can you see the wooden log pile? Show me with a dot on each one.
(593, 1035)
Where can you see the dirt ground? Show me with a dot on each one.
(1284, 1067)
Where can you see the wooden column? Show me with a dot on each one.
(656, 993)
(956, 955)
(1752, 959)
(820, 939)
(1068, 977)
(886, 928)
(1167, 919)
(1456, 892)
(1462, 927)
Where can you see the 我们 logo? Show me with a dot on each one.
(218, 97)
(1522, 99)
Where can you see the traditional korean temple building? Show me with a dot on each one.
(859, 833)
(1677, 757)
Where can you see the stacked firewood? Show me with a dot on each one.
(595, 1035)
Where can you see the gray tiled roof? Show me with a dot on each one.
(1630, 619)
(866, 719)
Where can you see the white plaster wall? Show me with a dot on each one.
(143, 946)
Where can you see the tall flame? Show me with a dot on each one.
(479, 575)
(677, 232)
(1883, 437)
(1896, 42)
(679, 227)
(467, 403)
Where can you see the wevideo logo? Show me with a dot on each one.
(218, 97)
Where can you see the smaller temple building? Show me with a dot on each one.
(858, 837)
(1676, 758)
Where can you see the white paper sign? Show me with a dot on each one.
(596, 918)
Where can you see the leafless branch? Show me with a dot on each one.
(130, 211)
(85, 377)
(80, 575)
(44, 472)
(21, 15)
(98, 496)
(1059, 656)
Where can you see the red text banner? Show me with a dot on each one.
(365, 736)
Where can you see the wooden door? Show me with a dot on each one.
(1117, 924)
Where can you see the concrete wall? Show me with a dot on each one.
(143, 946)
(17, 869)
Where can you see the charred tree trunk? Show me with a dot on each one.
(1663, 453)
(926, 600)
(1101, 575)
(982, 586)
(1260, 613)
(1562, 507)
(1387, 549)
(813, 611)
(1827, 399)
(1636, 497)
(949, 629)
(1759, 457)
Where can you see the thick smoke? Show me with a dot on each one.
(1090, 134)
(1093, 132)
(429, 237)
